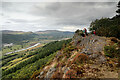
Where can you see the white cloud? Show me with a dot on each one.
(72, 28)
(69, 28)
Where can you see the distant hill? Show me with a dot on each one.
(52, 31)
(10, 32)
(17, 38)
(9, 36)
(13, 32)
(55, 34)
(37, 32)
(47, 32)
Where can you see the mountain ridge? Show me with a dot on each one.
(46, 31)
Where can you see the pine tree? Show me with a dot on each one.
(118, 11)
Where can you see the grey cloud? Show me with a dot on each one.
(60, 0)
(62, 13)
(75, 12)
(19, 20)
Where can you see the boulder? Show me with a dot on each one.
(87, 52)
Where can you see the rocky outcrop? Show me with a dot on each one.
(90, 48)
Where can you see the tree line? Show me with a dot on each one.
(109, 27)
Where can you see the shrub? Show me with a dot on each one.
(57, 75)
(71, 74)
(118, 62)
(111, 51)
(114, 40)
(69, 48)
(78, 41)
(60, 57)
(77, 31)
(80, 58)
(35, 74)
(79, 70)
(118, 43)
(55, 66)
(106, 27)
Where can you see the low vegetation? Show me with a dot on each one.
(111, 51)
(29, 69)
(80, 59)
(71, 74)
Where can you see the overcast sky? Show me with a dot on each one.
(64, 16)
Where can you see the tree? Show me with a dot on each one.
(118, 11)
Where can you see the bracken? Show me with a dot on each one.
(79, 59)
(71, 74)
(57, 75)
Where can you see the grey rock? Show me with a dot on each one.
(85, 51)
(50, 72)
(93, 56)
(102, 59)
(42, 73)
(38, 76)
(52, 69)
(89, 53)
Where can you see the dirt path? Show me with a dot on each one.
(93, 44)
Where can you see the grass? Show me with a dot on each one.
(29, 69)
(7, 49)
(16, 47)
(16, 60)
(14, 63)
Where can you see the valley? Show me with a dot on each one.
(29, 50)
(22, 40)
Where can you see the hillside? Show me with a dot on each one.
(18, 37)
(27, 62)
(84, 57)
